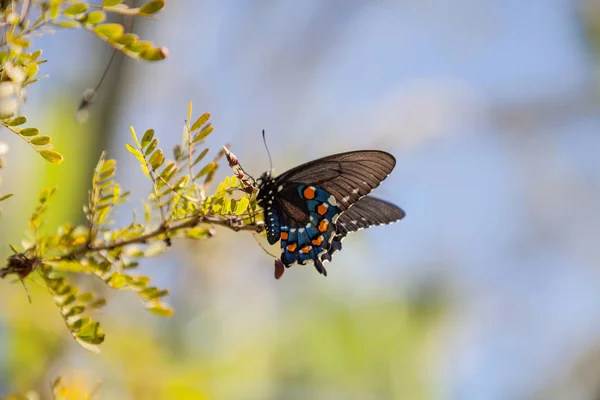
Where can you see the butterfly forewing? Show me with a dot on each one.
(347, 176)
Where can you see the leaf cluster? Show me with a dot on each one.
(177, 207)
(20, 65)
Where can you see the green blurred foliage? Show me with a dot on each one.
(370, 348)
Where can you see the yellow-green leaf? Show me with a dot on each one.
(161, 311)
(54, 10)
(157, 159)
(147, 137)
(152, 7)
(134, 136)
(203, 119)
(52, 156)
(136, 153)
(109, 30)
(17, 121)
(242, 206)
(151, 146)
(68, 24)
(29, 132)
(154, 54)
(32, 69)
(140, 46)
(36, 54)
(117, 280)
(95, 17)
(110, 3)
(200, 156)
(75, 9)
(40, 140)
(207, 168)
(203, 133)
(6, 196)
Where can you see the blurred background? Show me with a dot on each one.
(488, 289)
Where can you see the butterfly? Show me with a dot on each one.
(311, 208)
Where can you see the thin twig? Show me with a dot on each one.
(186, 224)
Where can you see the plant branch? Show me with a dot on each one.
(191, 222)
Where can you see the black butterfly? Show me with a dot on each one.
(312, 207)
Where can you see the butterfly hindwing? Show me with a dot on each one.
(365, 213)
(307, 242)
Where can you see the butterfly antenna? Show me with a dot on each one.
(268, 153)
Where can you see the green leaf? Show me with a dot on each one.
(140, 46)
(36, 54)
(97, 303)
(200, 157)
(168, 171)
(145, 170)
(52, 156)
(68, 24)
(152, 146)
(75, 9)
(110, 3)
(17, 121)
(54, 10)
(91, 333)
(29, 132)
(117, 280)
(75, 311)
(177, 152)
(207, 168)
(154, 54)
(95, 17)
(203, 134)
(108, 164)
(134, 136)
(152, 7)
(6, 196)
(136, 153)
(109, 30)
(157, 159)
(40, 140)
(203, 119)
(32, 69)
(160, 310)
(127, 39)
(242, 206)
(147, 137)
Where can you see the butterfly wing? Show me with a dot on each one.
(347, 176)
(304, 203)
(365, 213)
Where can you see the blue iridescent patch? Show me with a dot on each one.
(307, 243)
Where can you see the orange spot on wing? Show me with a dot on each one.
(305, 249)
(317, 241)
(291, 247)
(309, 193)
(284, 236)
(323, 225)
(322, 209)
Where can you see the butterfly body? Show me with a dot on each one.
(312, 207)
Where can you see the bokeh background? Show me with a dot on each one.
(487, 290)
